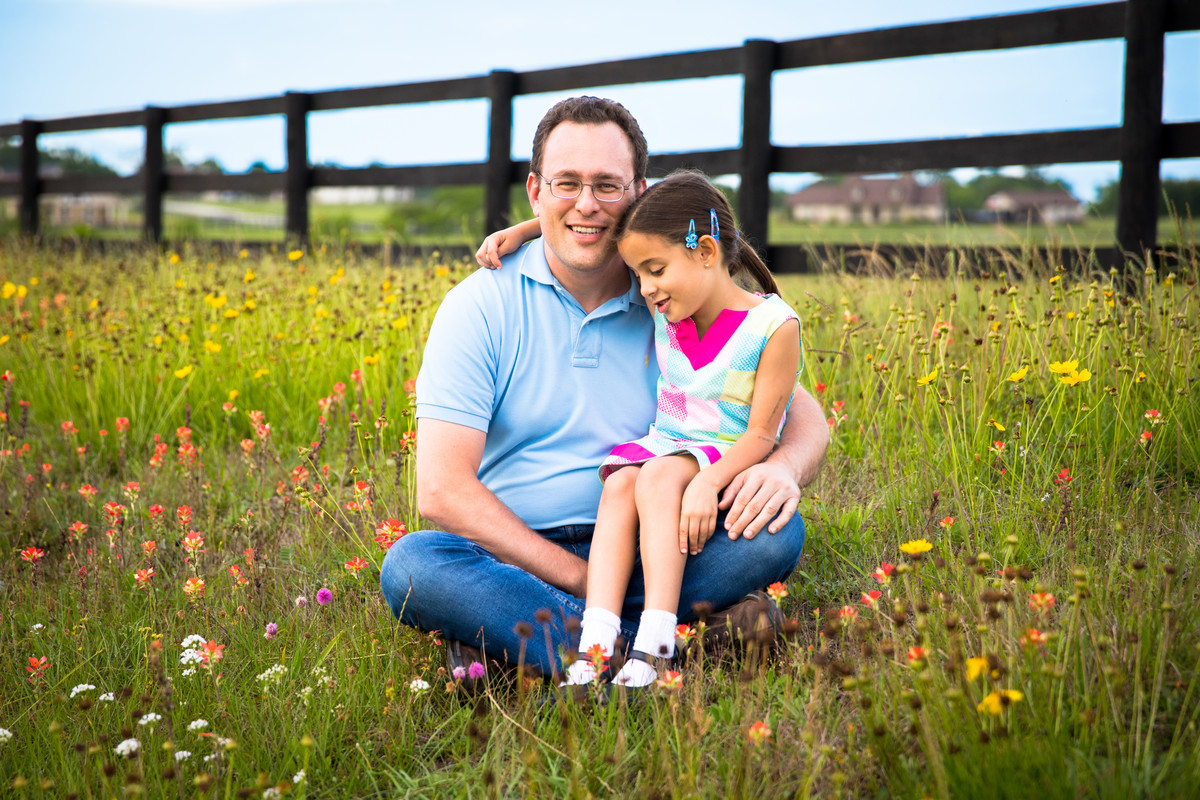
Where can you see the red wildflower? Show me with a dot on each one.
(32, 554)
(36, 667)
(916, 654)
(777, 591)
(148, 547)
(356, 563)
(211, 653)
(143, 577)
(184, 515)
(883, 573)
(388, 531)
(69, 429)
(122, 424)
(1041, 602)
(1064, 476)
(870, 597)
(239, 579)
(759, 732)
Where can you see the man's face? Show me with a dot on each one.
(578, 233)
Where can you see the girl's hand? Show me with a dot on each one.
(501, 243)
(697, 516)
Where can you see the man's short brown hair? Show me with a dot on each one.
(592, 111)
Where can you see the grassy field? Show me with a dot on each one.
(205, 461)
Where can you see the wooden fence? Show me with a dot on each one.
(1139, 143)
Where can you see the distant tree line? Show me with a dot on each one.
(1177, 197)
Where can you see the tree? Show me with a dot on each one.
(71, 160)
(1178, 197)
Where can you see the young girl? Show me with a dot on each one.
(729, 360)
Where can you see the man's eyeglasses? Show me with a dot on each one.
(570, 188)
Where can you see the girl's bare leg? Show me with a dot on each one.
(614, 542)
(659, 495)
(610, 563)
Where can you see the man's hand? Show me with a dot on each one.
(757, 495)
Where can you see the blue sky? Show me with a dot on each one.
(69, 57)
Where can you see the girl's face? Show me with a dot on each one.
(674, 280)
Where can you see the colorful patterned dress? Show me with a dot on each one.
(705, 385)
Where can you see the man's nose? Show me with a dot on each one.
(587, 202)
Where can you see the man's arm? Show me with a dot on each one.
(450, 494)
(771, 490)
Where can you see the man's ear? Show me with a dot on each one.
(533, 188)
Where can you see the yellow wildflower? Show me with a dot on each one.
(442, 272)
(975, 667)
(259, 373)
(995, 702)
(916, 547)
(401, 323)
(211, 346)
(174, 259)
(371, 359)
(8, 290)
(1064, 367)
(996, 425)
(1076, 377)
(1056, 279)
(249, 276)
(927, 378)
(183, 372)
(295, 255)
(230, 313)
(1019, 375)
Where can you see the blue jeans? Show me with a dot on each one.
(436, 580)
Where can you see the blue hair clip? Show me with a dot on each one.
(712, 221)
(692, 240)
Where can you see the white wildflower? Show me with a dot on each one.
(271, 793)
(195, 640)
(272, 676)
(149, 718)
(190, 656)
(127, 748)
(5, 735)
(305, 694)
(197, 725)
(298, 778)
(418, 685)
(183, 755)
(108, 697)
(36, 627)
(83, 687)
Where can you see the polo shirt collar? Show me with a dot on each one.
(535, 267)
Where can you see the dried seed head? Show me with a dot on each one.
(543, 616)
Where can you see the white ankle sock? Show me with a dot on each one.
(656, 636)
(600, 626)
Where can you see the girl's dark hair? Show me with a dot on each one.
(668, 207)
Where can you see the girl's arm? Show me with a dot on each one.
(774, 382)
(501, 243)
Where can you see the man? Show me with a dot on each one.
(531, 374)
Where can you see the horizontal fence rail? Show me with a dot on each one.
(1139, 143)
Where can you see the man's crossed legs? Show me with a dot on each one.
(435, 580)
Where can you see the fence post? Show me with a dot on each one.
(1141, 127)
(497, 179)
(152, 175)
(759, 57)
(30, 182)
(298, 175)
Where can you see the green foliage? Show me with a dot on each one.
(443, 211)
(71, 160)
(1180, 198)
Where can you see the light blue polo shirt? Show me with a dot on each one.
(512, 354)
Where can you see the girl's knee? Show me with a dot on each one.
(621, 483)
(666, 474)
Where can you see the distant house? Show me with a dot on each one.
(97, 209)
(869, 200)
(362, 195)
(1047, 206)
